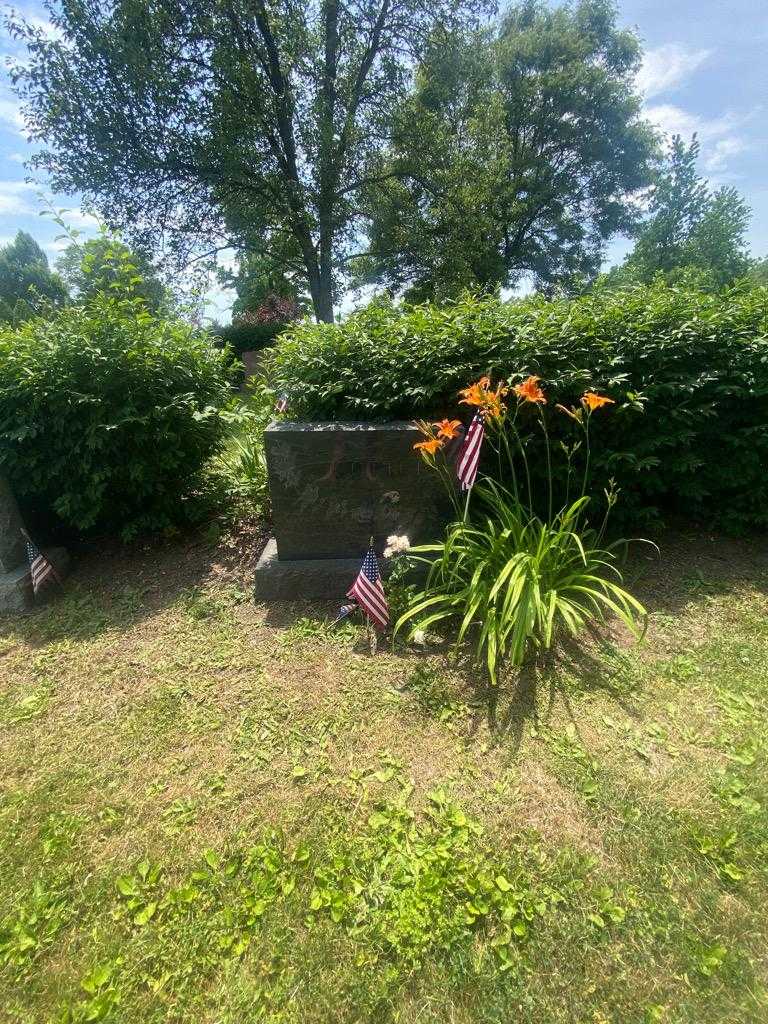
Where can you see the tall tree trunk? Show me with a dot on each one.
(324, 304)
(319, 277)
(327, 164)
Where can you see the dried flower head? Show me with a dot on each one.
(396, 545)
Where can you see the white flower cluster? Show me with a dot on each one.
(396, 545)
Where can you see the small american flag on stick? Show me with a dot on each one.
(344, 612)
(281, 405)
(368, 590)
(469, 456)
(39, 565)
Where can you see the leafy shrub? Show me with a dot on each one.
(249, 337)
(108, 413)
(257, 328)
(688, 370)
(241, 464)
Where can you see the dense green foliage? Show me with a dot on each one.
(259, 280)
(239, 468)
(464, 155)
(108, 413)
(521, 149)
(690, 228)
(688, 370)
(257, 327)
(249, 336)
(106, 265)
(27, 284)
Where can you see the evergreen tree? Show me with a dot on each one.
(28, 287)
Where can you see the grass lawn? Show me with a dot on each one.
(216, 811)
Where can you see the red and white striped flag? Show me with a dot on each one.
(368, 591)
(469, 456)
(39, 566)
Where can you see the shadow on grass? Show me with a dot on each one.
(527, 695)
(691, 569)
(114, 586)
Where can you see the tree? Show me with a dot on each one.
(758, 273)
(27, 284)
(192, 120)
(521, 150)
(107, 265)
(259, 281)
(689, 228)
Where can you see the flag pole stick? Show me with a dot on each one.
(369, 624)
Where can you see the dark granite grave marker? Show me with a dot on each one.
(12, 550)
(15, 578)
(333, 485)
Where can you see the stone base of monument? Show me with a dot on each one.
(16, 594)
(290, 579)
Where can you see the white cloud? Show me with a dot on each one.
(80, 220)
(674, 120)
(57, 247)
(33, 18)
(14, 198)
(49, 30)
(722, 150)
(667, 66)
(218, 302)
(11, 115)
(719, 137)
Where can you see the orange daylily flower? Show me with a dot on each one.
(483, 397)
(475, 393)
(448, 429)
(530, 391)
(593, 401)
(430, 446)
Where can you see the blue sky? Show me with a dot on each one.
(705, 70)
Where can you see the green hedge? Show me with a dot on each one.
(249, 337)
(107, 415)
(688, 369)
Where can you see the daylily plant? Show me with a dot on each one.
(510, 574)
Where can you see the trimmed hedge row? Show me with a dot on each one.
(249, 337)
(688, 370)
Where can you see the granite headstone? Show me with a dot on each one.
(12, 548)
(334, 485)
(16, 594)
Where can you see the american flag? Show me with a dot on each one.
(344, 612)
(368, 591)
(469, 456)
(282, 403)
(39, 566)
